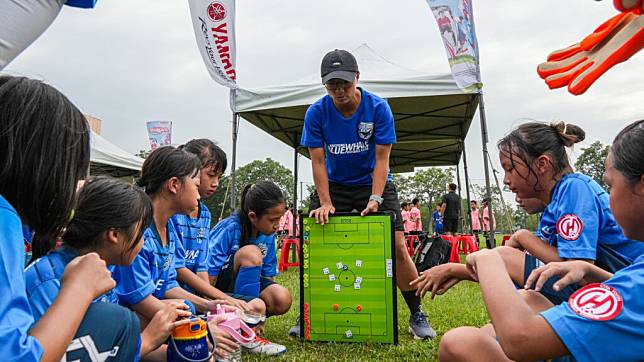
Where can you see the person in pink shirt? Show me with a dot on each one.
(486, 217)
(414, 216)
(475, 214)
(286, 222)
(405, 216)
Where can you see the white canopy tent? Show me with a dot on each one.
(432, 115)
(107, 158)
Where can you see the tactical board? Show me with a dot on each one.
(348, 279)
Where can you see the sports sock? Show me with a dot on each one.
(247, 282)
(412, 300)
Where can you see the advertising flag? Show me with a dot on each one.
(159, 133)
(456, 25)
(214, 26)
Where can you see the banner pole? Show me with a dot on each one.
(490, 242)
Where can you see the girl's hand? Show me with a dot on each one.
(211, 305)
(163, 324)
(471, 260)
(570, 272)
(225, 343)
(239, 304)
(89, 274)
(436, 280)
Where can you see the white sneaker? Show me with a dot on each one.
(263, 346)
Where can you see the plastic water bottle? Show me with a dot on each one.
(237, 329)
(189, 342)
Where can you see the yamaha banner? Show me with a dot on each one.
(159, 133)
(456, 25)
(214, 25)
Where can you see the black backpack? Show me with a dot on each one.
(431, 252)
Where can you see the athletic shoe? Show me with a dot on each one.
(263, 346)
(295, 330)
(419, 326)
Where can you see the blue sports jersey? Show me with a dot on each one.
(604, 322)
(42, 279)
(15, 314)
(85, 4)
(350, 143)
(192, 249)
(152, 271)
(224, 242)
(438, 223)
(579, 222)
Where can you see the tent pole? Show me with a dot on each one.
(467, 187)
(458, 183)
(233, 195)
(490, 242)
(295, 174)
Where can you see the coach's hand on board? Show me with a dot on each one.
(372, 206)
(321, 214)
(571, 272)
(436, 280)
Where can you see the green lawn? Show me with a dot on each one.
(462, 305)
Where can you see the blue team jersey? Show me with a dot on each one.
(85, 4)
(43, 276)
(579, 222)
(224, 242)
(192, 249)
(152, 271)
(350, 143)
(15, 313)
(438, 223)
(604, 322)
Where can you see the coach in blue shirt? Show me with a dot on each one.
(349, 133)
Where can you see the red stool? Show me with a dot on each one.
(453, 256)
(505, 238)
(411, 240)
(285, 262)
(467, 244)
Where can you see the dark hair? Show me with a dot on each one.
(107, 203)
(415, 201)
(533, 139)
(44, 152)
(486, 200)
(164, 163)
(209, 154)
(257, 197)
(628, 150)
(452, 186)
(404, 204)
(474, 201)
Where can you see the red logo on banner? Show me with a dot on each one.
(569, 227)
(216, 11)
(597, 301)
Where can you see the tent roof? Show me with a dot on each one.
(432, 115)
(107, 158)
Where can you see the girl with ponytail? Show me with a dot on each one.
(242, 259)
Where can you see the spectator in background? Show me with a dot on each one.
(405, 216)
(451, 210)
(475, 214)
(438, 220)
(486, 221)
(415, 217)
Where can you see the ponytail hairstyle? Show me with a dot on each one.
(258, 198)
(106, 203)
(165, 163)
(209, 154)
(628, 152)
(44, 152)
(533, 139)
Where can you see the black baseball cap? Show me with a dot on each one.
(339, 64)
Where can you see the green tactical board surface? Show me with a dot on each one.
(347, 279)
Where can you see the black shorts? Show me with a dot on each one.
(450, 225)
(227, 277)
(556, 297)
(348, 198)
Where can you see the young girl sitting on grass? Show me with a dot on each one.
(602, 321)
(193, 229)
(242, 259)
(109, 219)
(171, 178)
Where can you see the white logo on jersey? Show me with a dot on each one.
(596, 301)
(159, 284)
(201, 235)
(348, 148)
(263, 249)
(87, 343)
(570, 226)
(365, 130)
(192, 254)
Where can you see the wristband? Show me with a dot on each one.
(377, 199)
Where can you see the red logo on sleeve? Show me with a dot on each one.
(597, 301)
(569, 227)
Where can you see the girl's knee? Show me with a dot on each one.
(280, 300)
(453, 345)
(249, 255)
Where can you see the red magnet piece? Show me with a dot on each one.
(359, 308)
(336, 307)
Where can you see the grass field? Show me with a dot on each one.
(462, 305)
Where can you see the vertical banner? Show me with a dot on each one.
(456, 25)
(214, 26)
(159, 133)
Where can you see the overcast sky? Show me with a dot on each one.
(131, 61)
